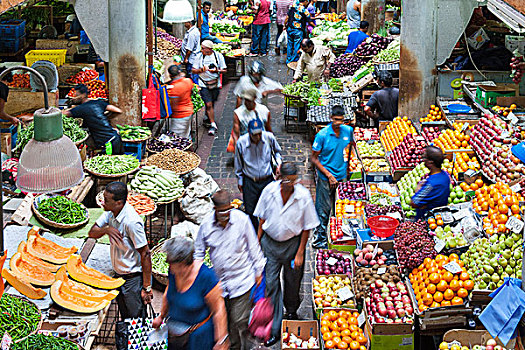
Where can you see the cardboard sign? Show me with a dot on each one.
(440, 244)
(453, 267)
(331, 261)
(514, 224)
(345, 294)
(381, 270)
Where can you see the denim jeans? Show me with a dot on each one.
(189, 74)
(260, 36)
(214, 39)
(324, 197)
(295, 36)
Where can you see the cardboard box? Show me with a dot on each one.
(487, 95)
(474, 337)
(302, 329)
(390, 336)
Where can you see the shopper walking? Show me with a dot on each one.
(328, 157)
(129, 251)
(209, 65)
(296, 21)
(253, 164)
(353, 13)
(236, 257)
(204, 24)
(256, 79)
(192, 298)
(4, 93)
(191, 45)
(179, 92)
(248, 111)
(286, 215)
(316, 60)
(260, 28)
(283, 6)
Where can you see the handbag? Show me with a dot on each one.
(179, 332)
(132, 333)
(150, 102)
(165, 105)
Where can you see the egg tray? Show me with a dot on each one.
(321, 114)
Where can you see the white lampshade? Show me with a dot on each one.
(177, 11)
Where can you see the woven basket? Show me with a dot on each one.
(48, 222)
(111, 175)
(182, 172)
(162, 278)
(100, 198)
(138, 140)
(82, 141)
(41, 317)
(181, 149)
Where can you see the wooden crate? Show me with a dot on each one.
(23, 101)
(302, 329)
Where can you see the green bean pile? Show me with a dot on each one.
(112, 165)
(18, 317)
(62, 210)
(41, 341)
(71, 130)
(159, 263)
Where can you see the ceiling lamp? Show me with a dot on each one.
(178, 11)
(50, 162)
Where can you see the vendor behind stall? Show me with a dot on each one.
(4, 93)
(382, 105)
(356, 37)
(316, 59)
(95, 119)
(434, 191)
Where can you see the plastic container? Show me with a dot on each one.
(382, 226)
(12, 45)
(12, 29)
(58, 56)
(458, 108)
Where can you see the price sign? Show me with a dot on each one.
(514, 224)
(378, 178)
(367, 135)
(420, 138)
(381, 270)
(464, 127)
(395, 215)
(6, 342)
(331, 261)
(349, 208)
(471, 172)
(361, 319)
(164, 138)
(359, 189)
(516, 187)
(513, 118)
(354, 222)
(374, 253)
(447, 217)
(452, 267)
(461, 214)
(504, 134)
(382, 163)
(383, 201)
(440, 244)
(345, 294)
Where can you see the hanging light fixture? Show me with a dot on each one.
(50, 162)
(177, 11)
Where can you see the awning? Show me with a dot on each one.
(6, 5)
(511, 12)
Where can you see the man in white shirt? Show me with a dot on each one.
(130, 254)
(237, 259)
(191, 45)
(286, 215)
(209, 65)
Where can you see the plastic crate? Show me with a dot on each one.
(58, 57)
(12, 29)
(134, 149)
(12, 45)
(7, 128)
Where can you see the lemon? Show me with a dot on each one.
(443, 346)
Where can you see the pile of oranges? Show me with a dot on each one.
(500, 202)
(476, 185)
(396, 131)
(434, 222)
(435, 286)
(453, 139)
(340, 330)
(463, 163)
(349, 208)
(434, 115)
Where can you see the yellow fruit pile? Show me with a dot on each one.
(434, 115)
(396, 131)
(453, 140)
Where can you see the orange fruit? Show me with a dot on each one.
(438, 296)
(454, 285)
(330, 344)
(462, 293)
(457, 301)
(449, 294)
(327, 336)
(324, 329)
(442, 286)
(346, 332)
(445, 303)
(464, 276)
(515, 209)
(336, 340)
(468, 285)
(362, 340)
(346, 340)
(354, 345)
(431, 288)
(435, 304)
(447, 276)
(434, 278)
(355, 334)
(428, 299)
(479, 182)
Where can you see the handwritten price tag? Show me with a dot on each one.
(381, 270)
(440, 244)
(514, 224)
(461, 214)
(447, 217)
(453, 267)
(374, 253)
(516, 187)
(361, 319)
(331, 261)
(345, 294)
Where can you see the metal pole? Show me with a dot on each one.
(127, 63)
(417, 68)
(373, 11)
(149, 11)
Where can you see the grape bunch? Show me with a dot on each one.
(517, 71)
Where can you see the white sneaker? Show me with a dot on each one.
(212, 131)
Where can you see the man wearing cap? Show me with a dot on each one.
(209, 65)
(286, 215)
(250, 110)
(253, 164)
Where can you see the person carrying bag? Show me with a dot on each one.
(138, 334)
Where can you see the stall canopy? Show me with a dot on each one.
(511, 12)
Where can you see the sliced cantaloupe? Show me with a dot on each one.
(60, 296)
(35, 274)
(30, 258)
(38, 248)
(22, 284)
(80, 290)
(52, 245)
(80, 272)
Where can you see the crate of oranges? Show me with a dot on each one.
(498, 202)
(440, 282)
(451, 141)
(434, 115)
(462, 162)
(340, 330)
(396, 131)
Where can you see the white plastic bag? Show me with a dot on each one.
(282, 41)
(196, 209)
(185, 228)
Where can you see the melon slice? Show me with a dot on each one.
(22, 284)
(35, 274)
(80, 290)
(52, 245)
(80, 272)
(37, 248)
(60, 296)
(30, 258)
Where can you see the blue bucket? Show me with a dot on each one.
(458, 108)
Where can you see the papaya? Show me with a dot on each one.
(68, 301)
(80, 290)
(30, 258)
(39, 247)
(22, 284)
(34, 274)
(81, 273)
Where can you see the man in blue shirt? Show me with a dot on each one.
(356, 37)
(328, 156)
(434, 191)
(204, 23)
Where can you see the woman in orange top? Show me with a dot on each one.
(179, 91)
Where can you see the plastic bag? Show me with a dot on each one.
(196, 209)
(185, 228)
(282, 41)
(200, 184)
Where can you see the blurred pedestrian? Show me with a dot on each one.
(248, 111)
(191, 45)
(179, 92)
(353, 13)
(256, 78)
(283, 6)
